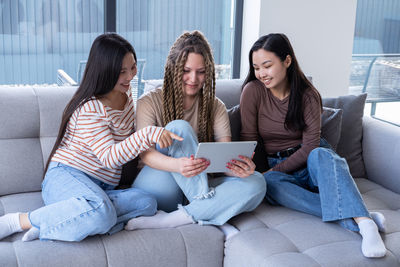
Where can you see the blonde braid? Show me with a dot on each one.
(168, 101)
(178, 90)
(172, 89)
(206, 120)
(193, 42)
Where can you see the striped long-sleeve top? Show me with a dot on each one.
(99, 140)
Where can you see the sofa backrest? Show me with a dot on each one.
(30, 117)
(29, 122)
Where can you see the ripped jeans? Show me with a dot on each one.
(212, 200)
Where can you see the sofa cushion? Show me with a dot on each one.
(350, 146)
(381, 150)
(28, 137)
(229, 91)
(189, 245)
(234, 120)
(331, 124)
(18, 121)
(278, 236)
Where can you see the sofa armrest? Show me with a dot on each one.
(381, 151)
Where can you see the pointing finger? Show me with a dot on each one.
(176, 137)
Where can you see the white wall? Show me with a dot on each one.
(321, 33)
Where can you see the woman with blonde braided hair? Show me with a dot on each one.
(172, 93)
(187, 106)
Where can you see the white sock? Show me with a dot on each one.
(32, 234)
(379, 220)
(9, 224)
(372, 245)
(160, 220)
(228, 230)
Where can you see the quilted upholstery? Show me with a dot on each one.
(269, 236)
(26, 139)
(190, 245)
(277, 236)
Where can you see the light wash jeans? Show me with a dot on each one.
(324, 188)
(77, 205)
(212, 201)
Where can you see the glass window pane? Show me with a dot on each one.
(152, 26)
(376, 56)
(39, 37)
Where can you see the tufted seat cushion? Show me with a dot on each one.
(190, 245)
(26, 139)
(277, 236)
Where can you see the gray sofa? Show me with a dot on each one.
(269, 236)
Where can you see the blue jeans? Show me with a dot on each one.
(77, 205)
(325, 188)
(212, 201)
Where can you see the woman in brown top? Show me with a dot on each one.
(279, 105)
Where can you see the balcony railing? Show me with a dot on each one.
(378, 75)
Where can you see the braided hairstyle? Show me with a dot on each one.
(189, 42)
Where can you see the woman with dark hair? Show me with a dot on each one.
(280, 105)
(95, 139)
(187, 106)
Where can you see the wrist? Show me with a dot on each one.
(157, 137)
(175, 165)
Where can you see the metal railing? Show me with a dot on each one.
(378, 75)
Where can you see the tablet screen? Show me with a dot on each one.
(220, 153)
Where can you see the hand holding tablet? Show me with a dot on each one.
(220, 153)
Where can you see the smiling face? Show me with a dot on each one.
(128, 71)
(270, 70)
(194, 74)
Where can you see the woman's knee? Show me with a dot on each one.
(322, 158)
(321, 154)
(181, 128)
(178, 125)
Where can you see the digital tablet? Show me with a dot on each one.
(220, 153)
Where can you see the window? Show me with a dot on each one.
(39, 37)
(152, 26)
(376, 57)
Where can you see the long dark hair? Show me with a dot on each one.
(279, 44)
(99, 78)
